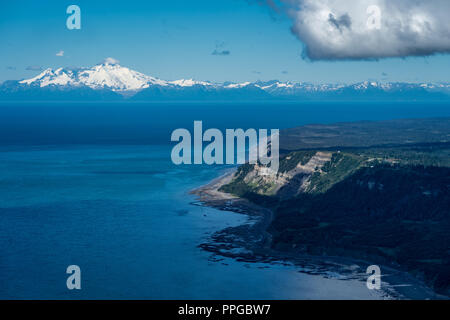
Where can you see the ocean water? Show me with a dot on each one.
(124, 215)
(152, 123)
(93, 185)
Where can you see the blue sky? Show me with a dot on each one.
(175, 39)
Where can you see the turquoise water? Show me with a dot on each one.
(124, 215)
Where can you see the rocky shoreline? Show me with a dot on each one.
(251, 242)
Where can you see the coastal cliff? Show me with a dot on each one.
(388, 204)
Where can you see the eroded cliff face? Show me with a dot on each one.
(386, 205)
(300, 172)
(288, 183)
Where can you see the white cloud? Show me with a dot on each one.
(345, 29)
(60, 53)
(110, 60)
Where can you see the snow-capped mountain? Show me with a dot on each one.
(105, 75)
(190, 83)
(109, 80)
(59, 77)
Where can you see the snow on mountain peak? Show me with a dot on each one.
(189, 83)
(116, 77)
(50, 77)
(108, 74)
(111, 75)
(237, 85)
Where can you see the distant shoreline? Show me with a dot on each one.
(251, 242)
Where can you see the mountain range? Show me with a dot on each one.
(112, 82)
